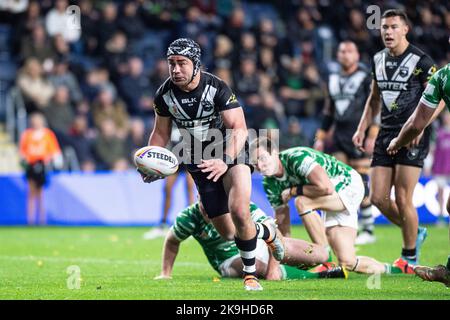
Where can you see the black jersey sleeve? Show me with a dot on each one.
(428, 68)
(225, 99)
(159, 105)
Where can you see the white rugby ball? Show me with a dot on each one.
(156, 160)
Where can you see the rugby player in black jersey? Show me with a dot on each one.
(201, 103)
(348, 90)
(400, 74)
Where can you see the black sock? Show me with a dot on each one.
(247, 248)
(366, 219)
(448, 263)
(409, 254)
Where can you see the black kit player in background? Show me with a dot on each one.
(348, 90)
(198, 101)
(400, 74)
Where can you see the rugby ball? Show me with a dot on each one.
(155, 160)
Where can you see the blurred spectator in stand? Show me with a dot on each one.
(116, 56)
(160, 73)
(266, 36)
(26, 24)
(267, 63)
(301, 27)
(61, 47)
(316, 88)
(441, 164)
(95, 81)
(136, 90)
(268, 39)
(158, 16)
(193, 24)
(107, 25)
(307, 52)
(82, 143)
(62, 76)
(37, 91)
(109, 148)
(89, 26)
(106, 108)
(60, 115)
(270, 114)
(56, 22)
(292, 89)
(137, 137)
(223, 53)
(235, 26)
(247, 48)
(225, 75)
(38, 45)
(246, 86)
(294, 136)
(30, 20)
(429, 36)
(38, 148)
(357, 31)
(130, 22)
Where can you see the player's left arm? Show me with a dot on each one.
(425, 113)
(170, 252)
(273, 269)
(234, 120)
(412, 128)
(319, 184)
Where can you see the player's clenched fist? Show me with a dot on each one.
(358, 140)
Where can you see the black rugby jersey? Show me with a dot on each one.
(348, 95)
(401, 81)
(197, 111)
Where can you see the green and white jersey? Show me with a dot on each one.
(438, 88)
(298, 163)
(190, 222)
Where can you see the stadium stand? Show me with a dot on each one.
(284, 50)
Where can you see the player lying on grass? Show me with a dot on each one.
(438, 89)
(318, 182)
(224, 256)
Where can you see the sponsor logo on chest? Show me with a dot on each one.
(189, 101)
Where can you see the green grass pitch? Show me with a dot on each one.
(116, 263)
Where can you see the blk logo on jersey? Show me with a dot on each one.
(391, 64)
(189, 101)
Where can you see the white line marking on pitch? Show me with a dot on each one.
(96, 260)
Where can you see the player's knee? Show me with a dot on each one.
(301, 203)
(378, 201)
(227, 236)
(239, 214)
(402, 200)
